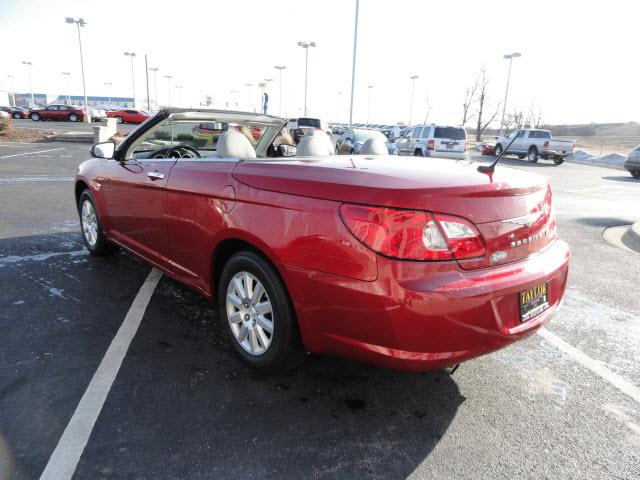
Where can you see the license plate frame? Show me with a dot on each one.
(533, 301)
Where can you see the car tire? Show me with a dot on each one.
(35, 117)
(532, 155)
(418, 153)
(119, 119)
(91, 227)
(16, 116)
(558, 160)
(264, 351)
(635, 174)
(497, 150)
(73, 117)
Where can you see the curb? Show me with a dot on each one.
(72, 138)
(632, 237)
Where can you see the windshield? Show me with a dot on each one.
(450, 133)
(309, 122)
(362, 136)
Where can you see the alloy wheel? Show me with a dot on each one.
(250, 313)
(89, 223)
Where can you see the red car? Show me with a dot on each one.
(393, 261)
(16, 112)
(129, 116)
(57, 112)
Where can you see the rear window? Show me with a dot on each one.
(450, 133)
(539, 134)
(309, 122)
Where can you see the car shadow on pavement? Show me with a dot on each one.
(625, 179)
(183, 406)
(605, 222)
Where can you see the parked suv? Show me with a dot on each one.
(434, 141)
(533, 144)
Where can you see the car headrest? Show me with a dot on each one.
(315, 145)
(374, 146)
(234, 145)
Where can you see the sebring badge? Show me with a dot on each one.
(498, 256)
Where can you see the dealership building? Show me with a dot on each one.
(24, 99)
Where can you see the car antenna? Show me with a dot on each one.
(491, 168)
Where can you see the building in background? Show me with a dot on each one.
(42, 99)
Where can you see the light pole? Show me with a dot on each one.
(370, 87)
(133, 77)
(108, 85)
(413, 87)
(264, 85)
(68, 75)
(29, 65)
(306, 46)
(353, 68)
(13, 90)
(81, 23)
(248, 85)
(509, 57)
(155, 84)
(168, 77)
(177, 87)
(280, 68)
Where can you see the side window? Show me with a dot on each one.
(426, 132)
(522, 133)
(133, 112)
(63, 107)
(52, 108)
(416, 132)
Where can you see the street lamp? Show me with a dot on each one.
(168, 77)
(133, 77)
(177, 87)
(353, 67)
(81, 23)
(280, 68)
(155, 84)
(248, 85)
(306, 46)
(413, 87)
(108, 85)
(509, 57)
(29, 65)
(370, 87)
(13, 90)
(68, 75)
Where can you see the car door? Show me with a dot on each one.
(134, 202)
(403, 142)
(63, 112)
(50, 113)
(415, 140)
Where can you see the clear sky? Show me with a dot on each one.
(579, 60)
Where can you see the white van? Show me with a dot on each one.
(433, 140)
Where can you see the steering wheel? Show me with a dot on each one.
(179, 151)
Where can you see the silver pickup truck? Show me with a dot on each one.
(535, 144)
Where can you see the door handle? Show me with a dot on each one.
(155, 175)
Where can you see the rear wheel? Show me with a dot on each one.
(92, 234)
(119, 119)
(635, 174)
(35, 117)
(558, 160)
(532, 156)
(16, 115)
(497, 150)
(258, 315)
(418, 153)
(73, 117)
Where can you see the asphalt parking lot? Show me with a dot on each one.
(561, 404)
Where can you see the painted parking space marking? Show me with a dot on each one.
(32, 153)
(64, 459)
(43, 178)
(595, 366)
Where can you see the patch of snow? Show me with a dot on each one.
(612, 160)
(40, 257)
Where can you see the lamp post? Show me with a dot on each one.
(264, 85)
(280, 68)
(306, 46)
(29, 65)
(248, 85)
(370, 87)
(177, 87)
(81, 23)
(168, 77)
(509, 57)
(13, 90)
(413, 87)
(108, 85)
(133, 77)
(353, 68)
(155, 84)
(68, 75)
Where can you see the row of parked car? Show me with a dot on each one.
(70, 113)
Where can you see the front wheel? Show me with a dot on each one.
(635, 174)
(92, 234)
(498, 150)
(16, 115)
(35, 117)
(532, 156)
(258, 315)
(73, 117)
(558, 160)
(119, 119)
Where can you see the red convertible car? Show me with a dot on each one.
(129, 116)
(393, 261)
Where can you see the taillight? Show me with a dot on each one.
(411, 234)
(546, 144)
(431, 144)
(465, 146)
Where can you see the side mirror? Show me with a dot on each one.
(103, 150)
(287, 150)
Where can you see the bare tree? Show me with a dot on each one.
(515, 119)
(483, 119)
(469, 97)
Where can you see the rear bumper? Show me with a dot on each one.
(446, 154)
(421, 316)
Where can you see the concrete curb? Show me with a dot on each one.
(632, 237)
(75, 138)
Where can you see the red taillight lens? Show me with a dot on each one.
(411, 234)
(465, 146)
(431, 145)
(546, 144)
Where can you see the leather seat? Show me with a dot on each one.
(374, 146)
(315, 145)
(234, 145)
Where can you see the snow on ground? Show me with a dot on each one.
(612, 160)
